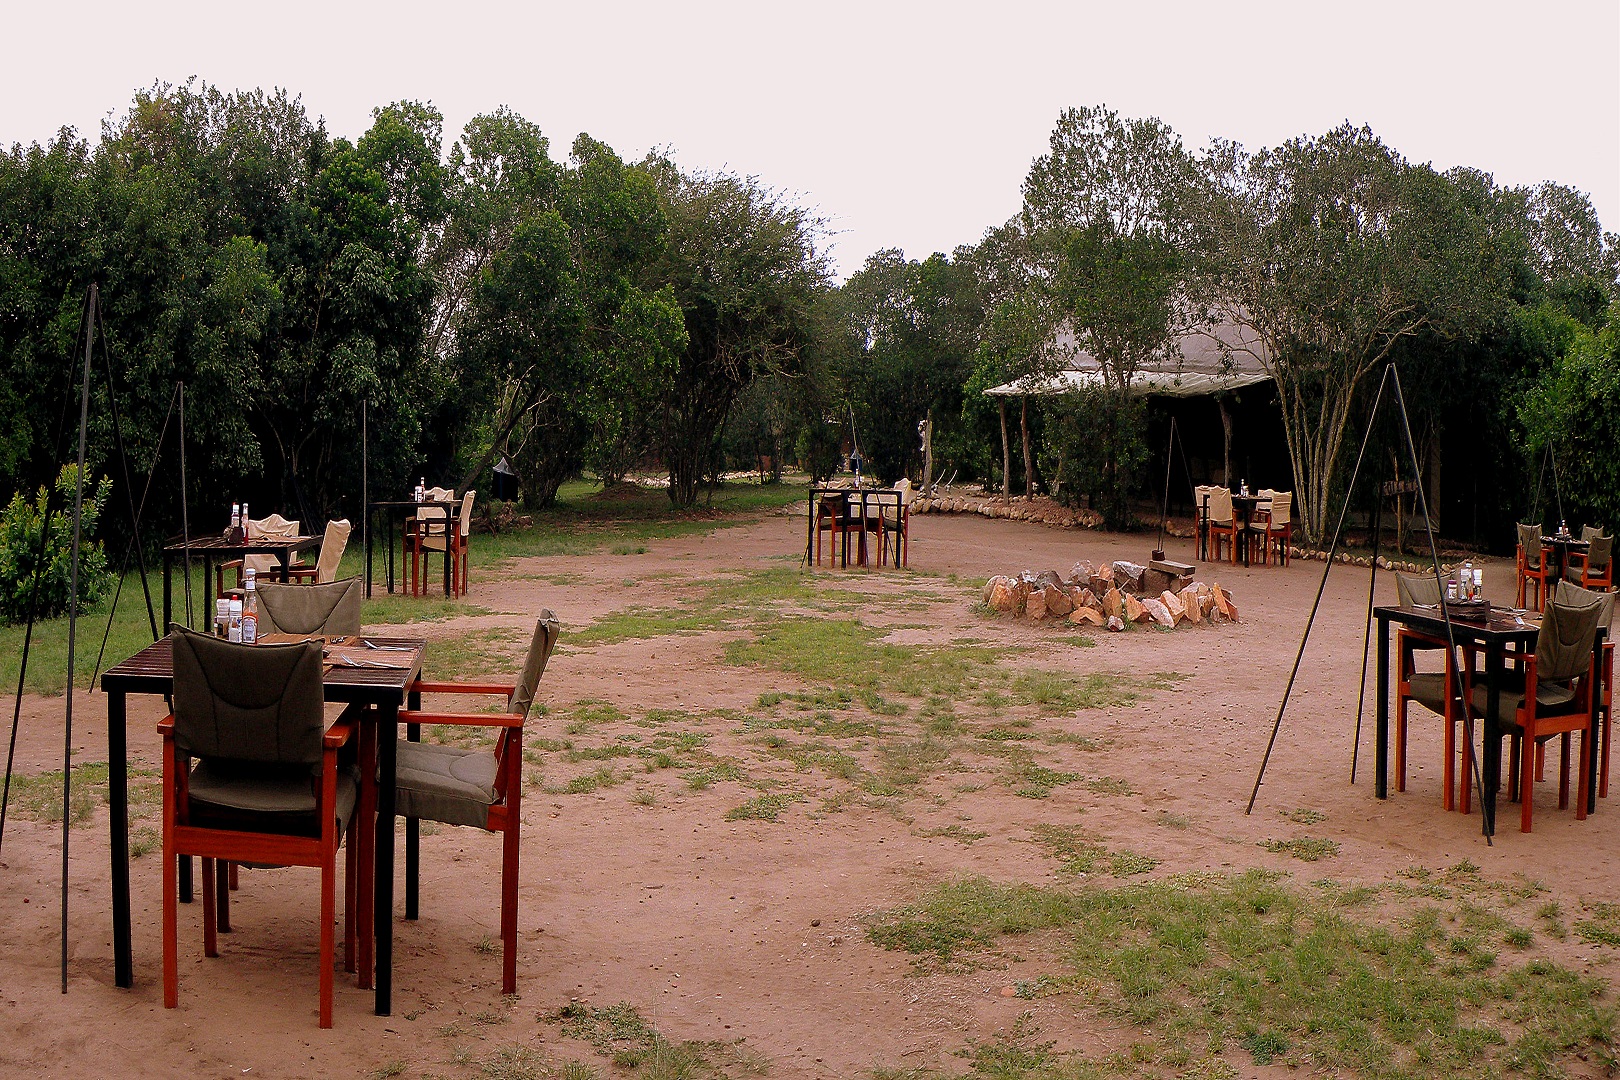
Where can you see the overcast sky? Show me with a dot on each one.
(907, 125)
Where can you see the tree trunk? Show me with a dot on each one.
(1029, 462)
(1226, 441)
(1006, 456)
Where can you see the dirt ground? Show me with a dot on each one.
(750, 932)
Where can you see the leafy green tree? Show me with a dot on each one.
(745, 271)
(31, 585)
(914, 326)
(1104, 209)
(1575, 408)
(1332, 250)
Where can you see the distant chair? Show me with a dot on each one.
(458, 546)
(1274, 525)
(1594, 567)
(1437, 691)
(1201, 515)
(274, 527)
(1530, 567)
(838, 519)
(333, 543)
(331, 609)
(1222, 524)
(427, 531)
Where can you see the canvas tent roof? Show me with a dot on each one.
(1224, 357)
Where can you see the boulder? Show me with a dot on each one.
(1172, 603)
(1193, 606)
(1112, 602)
(1084, 616)
(1088, 599)
(1128, 574)
(1058, 601)
(1115, 623)
(1048, 578)
(1035, 605)
(1082, 572)
(1134, 611)
(1006, 594)
(1158, 612)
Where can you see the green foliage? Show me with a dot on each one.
(43, 585)
(1573, 409)
(1098, 445)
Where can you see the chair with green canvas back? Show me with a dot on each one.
(1437, 691)
(1552, 699)
(250, 774)
(473, 787)
(1531, 567)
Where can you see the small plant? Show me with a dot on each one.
(762, 808)
(28, 581)
(1306, 848)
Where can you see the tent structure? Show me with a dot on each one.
(1212, 361)
(1224, 357)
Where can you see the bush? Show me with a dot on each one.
(20, 527)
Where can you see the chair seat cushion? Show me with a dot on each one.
(1551, 699)
(1429, 690)
(226, 796)
(442, 783)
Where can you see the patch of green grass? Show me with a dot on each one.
(1305, 817)
(588, 714)
(1109, 785)
(953, 832)
(602, 777)
(1602, 928)
(647, 623)
(1202, 964)
(514, 1062)
(620, 1034)
(1035, 782)
(766, 807)
(1172, 821)
(1306, 848)
(38, 797)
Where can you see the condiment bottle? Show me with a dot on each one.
(1479, 583)
(233, 632)
(222, 617)
(250, 608)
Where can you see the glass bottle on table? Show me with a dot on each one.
(250, 608)
(1479, 583)
(233, 631)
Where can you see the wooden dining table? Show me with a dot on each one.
(1493, 634)
(212, 549)
(390, 509)
(380, 685)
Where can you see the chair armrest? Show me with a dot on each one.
(340, 732)
(299, 570)
(165, 726)
(501, 720)
(422, 686)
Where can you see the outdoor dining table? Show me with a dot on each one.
(213, 549)
(1565, 546)
(1499, 629)
(383, 690)
(392, 508)
(1243, 511)
(859, 506)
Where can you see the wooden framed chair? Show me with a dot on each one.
(1201, 517)
(264, 565)
(473, 787)
(459, 533)
(1437, 691)
(333, 543)
(1222, 524)
(1569, 593)
(836, 518)
(1553, 699)
(894, 522)
(250, 774)
(1531, 567)
(1594, 567)
(1273, 526)
(427, 531)
(331, 609)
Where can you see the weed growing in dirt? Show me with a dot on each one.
(1207, 963)
(1306, 848)
(39, 797)
(1603, 928)
(620, 1034)
(767, 807)
(953, 832)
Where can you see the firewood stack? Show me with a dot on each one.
(1110, 596)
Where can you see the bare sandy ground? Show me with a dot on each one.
(750, 932)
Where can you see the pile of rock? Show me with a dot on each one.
(1111, 596)
(1040, 509)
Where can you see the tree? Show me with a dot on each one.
(744, 267)
(1333, 249)
(1104, 211)
(914, 329)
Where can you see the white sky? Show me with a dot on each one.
(908, 125)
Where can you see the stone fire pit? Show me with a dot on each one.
(1111, 596)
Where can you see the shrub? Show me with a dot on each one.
(20, 528)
